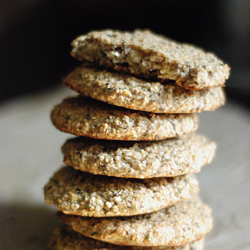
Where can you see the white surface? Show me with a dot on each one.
(30, 153)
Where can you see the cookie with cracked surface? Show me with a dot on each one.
(133, 93)
(79, 193)
(182, 223)
(166, 158)
(152, 56)
(87, 117)
(64, 238)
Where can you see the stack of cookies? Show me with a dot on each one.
(129, 181)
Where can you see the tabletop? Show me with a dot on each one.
(30, 154)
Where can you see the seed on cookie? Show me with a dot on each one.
(64, 238)
(165, 158)
(87, 117)
(182, 223)
(133, 93)
(79, 193)
(152, 56)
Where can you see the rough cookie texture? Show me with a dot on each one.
(152, 56)
(133, 93)
(169, 157)
(65, 238)
(87, 117)
(80, 193)
(185, 222)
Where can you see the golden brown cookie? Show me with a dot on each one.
(65, 238)
(80, 193)
(87, 117)
(133, 93)
(166, 158)
(185, 222)
(152, 56)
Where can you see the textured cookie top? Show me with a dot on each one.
(80, 193)
(87, 117)
(152, 56)
(133, 93)
(185, 222)
(169, 157)
(64, 238)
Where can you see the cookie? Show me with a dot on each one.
(185, 222)
(80, 193)
(87, 117)
(133, 93)
(65, 238)
(165, 158)
(152, 56)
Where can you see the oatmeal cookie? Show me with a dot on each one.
(87, 117)
(152, 56)
(64, 238)
(166, 158)
(185, 222)
(79, 193)
(133, 93)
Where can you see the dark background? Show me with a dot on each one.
(35, 36)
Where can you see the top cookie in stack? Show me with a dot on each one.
(145, 88)
(152, 56)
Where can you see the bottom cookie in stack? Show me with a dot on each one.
(181, 226)
(64, 238)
